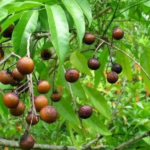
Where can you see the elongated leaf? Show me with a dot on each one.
(77, 15)
(66, 110)
(99, 73)
(59, 30)
(10, 20)
(98, 101)
(86, 9)
(4, 2)
(20, 6)
(24, 28)
(95, 125)
(124, 61)
(145, 63)
(3, 13)
(80, 62)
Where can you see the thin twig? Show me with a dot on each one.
(127, 56)
(100, 44)
(134, 139)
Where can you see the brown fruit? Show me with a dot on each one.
(48, 114)
(25, 65)
(72, 75)
(89, 38)
(56, 96)
(11, 100)
(93, 64)
(14, 83)
(0, 28)
(85, 111)
(116, 68)
(46, 54)
(112, 77)
(117, 33)
(43, 87)
(32, 119)
(17, 75)
(6, 77)
(26, 142)
(40, 102)
(8, 32)
(19, 110)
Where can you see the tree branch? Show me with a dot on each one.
(136, 138)
(127, 56)
(15, 144)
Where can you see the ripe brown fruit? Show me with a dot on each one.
(46, 54)
(116, 68)
(19, 110)
(32, 119)
(6, 77)
(93, 64)
(26, 142)
(89, 38)
(25, 65)
(8, 32)
(17, 75)
(112, 77)
(11, 100)
(40, 102)
(85, 111)
(43, 86)
(14, 83)
(72, 75)
(118, 33)
(48, 114)
(56, 96)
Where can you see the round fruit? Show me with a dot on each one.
(72, 75)
(11, 100)
(117, 33)
(46, 54)
(85, 111)
(56, 96)
(93, 64)
(6, 77)
(32, 119)
(116, 68)
(25, 65)
(8, 32)
(26, 142)
(19, 110)
(43, 87)
(89, 38)
(112, 77)
(48, 114)
(40, 102)
(17, 75)
(15, 83)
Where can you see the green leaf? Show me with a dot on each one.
(10, 20)
(86, 9)
(95, 125)
(98, 101)
(124, 61)
(77, 15)
(59, 31)
(24, 28)
(103, 61)
(66, 110)
(80, 62)
(3, 13)
(4, 2)
(145, 63)
(20, 6)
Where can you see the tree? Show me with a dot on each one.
(64, 38)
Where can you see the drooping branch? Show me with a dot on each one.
(127, 56)
(15, 144)
(136, 138)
